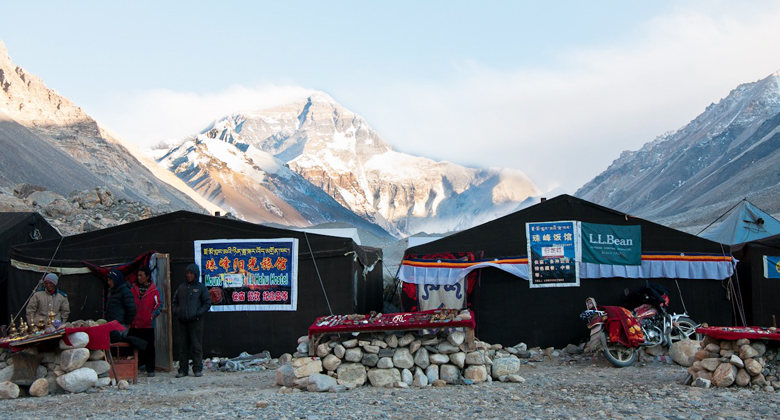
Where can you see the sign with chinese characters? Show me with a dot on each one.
(771, 267)
(249, 274)
(611, 244)
(553, 253)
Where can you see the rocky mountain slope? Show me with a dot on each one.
(689, 177)
(49, 141)
(336, 150)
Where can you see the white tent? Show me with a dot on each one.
(745, 223)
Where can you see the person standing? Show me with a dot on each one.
(120, 305)
(47, 299)
(190, 303)
(148, 307)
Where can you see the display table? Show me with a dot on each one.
(405, 321)
(736, 333)
(98, 335)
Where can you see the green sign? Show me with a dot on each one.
(611, 244)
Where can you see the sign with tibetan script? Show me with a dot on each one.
(553, 252)
(611, 244)
(249, 274)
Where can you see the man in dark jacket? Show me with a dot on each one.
(190, 303)
(120, 306)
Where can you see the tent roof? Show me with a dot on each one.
(174, 234)
(745, 223)
(505, 237)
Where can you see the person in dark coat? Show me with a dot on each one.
(120, 307)
(190, 303)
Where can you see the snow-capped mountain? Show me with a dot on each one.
(336, 150)
(691, 176)
(253, 185)
(49, 141)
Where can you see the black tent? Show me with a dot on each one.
(508, 311)
(17, 229)
(760, 294)
(351, 276)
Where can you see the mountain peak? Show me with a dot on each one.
(3, 51)
(319, 96)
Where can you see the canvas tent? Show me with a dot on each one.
(745, 223)
(351, 276)
(18, 228)
(508, 311)
(759, 279)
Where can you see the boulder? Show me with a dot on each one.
(476, 373)
(747, 351)
(438, 359)
(743, 378)
(403, 359)
(572, 349)
(709, 364)
(407, 376)
(9, 390)
(759, 347)
(405, 340)
(683, 352)
(736, 361)
(368, 348)
(432, 372)
(305, 366)
(322, 350)
(383, 377)
(78, 380)
(78, 340)
(446, 347)
(353, 354)
(458, 359)
(370, 359)
(420, 379)
(758, 380)
(414, 346)
(422, 359)
(73, 359)
(285, 375)
(39, 388)
(7, 373)
(99, 366)
(753, 367)
(353, 374)
(505, 366)
(392, 341)
(724, 375)
(349, 344)
(321, 383)
(331, 362)
(449, 373)
(475, 358)
(456, 338)
(386, 363)
(701, 383)
(339, 351)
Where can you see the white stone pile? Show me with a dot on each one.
(743, 363)
(71, 368)
(395, 360)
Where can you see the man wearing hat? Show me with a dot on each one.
(46, 299)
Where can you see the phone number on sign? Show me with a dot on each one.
(260, 296)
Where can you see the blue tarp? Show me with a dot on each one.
(745, 223)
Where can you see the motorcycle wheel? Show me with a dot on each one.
(685, 330)
(618, 354)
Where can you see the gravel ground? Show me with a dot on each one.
(574, 389)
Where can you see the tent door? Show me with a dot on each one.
(163, 340)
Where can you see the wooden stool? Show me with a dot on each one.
(126, 367)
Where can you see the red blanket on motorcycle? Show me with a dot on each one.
(622, 326)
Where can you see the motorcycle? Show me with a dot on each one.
(619, 332)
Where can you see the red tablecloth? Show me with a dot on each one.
(400, 321)
(735, 333)
(98, 336)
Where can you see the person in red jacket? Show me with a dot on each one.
(149, 306)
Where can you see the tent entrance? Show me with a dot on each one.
(163, 339)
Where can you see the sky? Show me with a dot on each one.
(555, 89)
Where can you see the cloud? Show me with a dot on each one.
(148, 117)
(564, 125)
